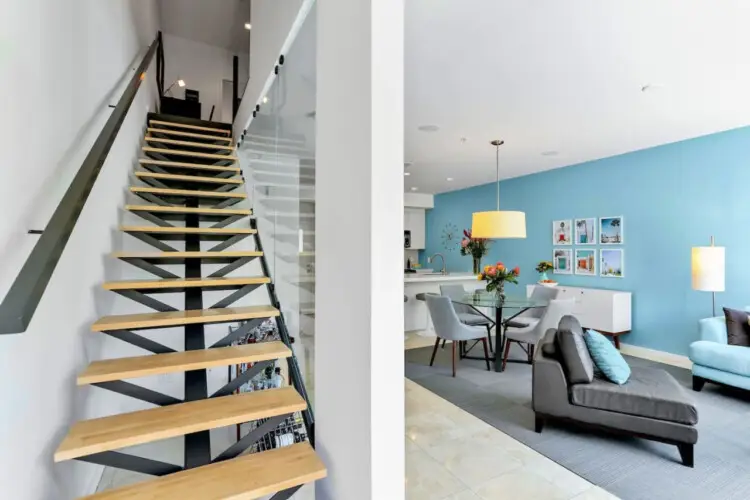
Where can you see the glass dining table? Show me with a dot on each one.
(512, 305)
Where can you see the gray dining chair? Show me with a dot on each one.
(467, 314)
(448, 326)
(531, 335)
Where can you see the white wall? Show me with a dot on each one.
(203, 67)
(60, 65)
(275, 24)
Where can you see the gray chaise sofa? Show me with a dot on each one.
(651, 405)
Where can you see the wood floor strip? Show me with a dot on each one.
(187, 255)
(187, 134)
(185, 210)
(190, 127)
(158, 364)
(186, 230)
(185, 283)
(187, 143)
(180, 318)
(186, 192)
(247, 477)
(188, 178)
(193, 154)
(179, 164)
(129, 429)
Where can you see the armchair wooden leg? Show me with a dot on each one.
(434, 350)
(443, 346)
(698, 383)
(538, 424)
(687, 453)
(507, 351)
(486, 354)
(453, 356)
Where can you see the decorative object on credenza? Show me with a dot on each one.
(497, 276)
(476, 247)
(611, 231)
(498, 224)
(562, 232)
(542, 269)
(585, 262)
(585, 230)
(450, 237)
(707, 265)
(612, 263)
(562, 260)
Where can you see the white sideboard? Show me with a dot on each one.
(607, 311)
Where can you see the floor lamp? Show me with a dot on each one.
(708, 270)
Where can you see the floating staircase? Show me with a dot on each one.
(190, 180)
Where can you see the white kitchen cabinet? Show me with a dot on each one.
(414, 221)
(606, 311)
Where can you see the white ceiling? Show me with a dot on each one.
(220, 23)
(566, 76)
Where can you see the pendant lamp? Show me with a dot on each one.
(498, 223)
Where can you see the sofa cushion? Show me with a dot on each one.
(729, 358)
(607, 358)
(577, 361)
(738, 329)
(650, 392)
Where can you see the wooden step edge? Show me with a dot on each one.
(178, 133)
(179, 164)
(186, 192)
(191, 144)
(184, 283)
(190, 127)
(186, 255)
(186, 230)
(154, 424)
(158, 364)
(180, 318)
(251, 476)
(194, 154)
(188, 178)
(189, 210)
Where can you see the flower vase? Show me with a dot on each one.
(543, 277)
(477, 265)
(498, 289)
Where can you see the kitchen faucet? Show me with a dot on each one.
(430, 259)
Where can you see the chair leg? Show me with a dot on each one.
(530, 353)
(698, 383)
(453, 356)
(687, 453)
(489, 337)
(486, 354)
(538, 423)
(443, 347)
(507, 351)
(434, 350)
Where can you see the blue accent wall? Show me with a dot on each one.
(672, 197)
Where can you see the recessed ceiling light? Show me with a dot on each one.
(428, 128)
(248, 26)
(407, 173)
(550, 153)
(414, 189)
(449, 179)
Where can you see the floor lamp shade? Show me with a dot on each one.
(708, 269)
(498, 224)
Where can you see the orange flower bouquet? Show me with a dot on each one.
(496, 276)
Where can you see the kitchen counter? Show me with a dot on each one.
(416, 316)
(428, 278)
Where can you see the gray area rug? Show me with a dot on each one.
(630, 468)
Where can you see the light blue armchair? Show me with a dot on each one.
(713, 359)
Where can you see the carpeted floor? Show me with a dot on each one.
(630, 468)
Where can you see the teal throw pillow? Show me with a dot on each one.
(606, 357)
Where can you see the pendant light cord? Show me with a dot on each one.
(497, 174)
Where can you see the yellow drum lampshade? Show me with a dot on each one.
(708, 269)
(498, 224)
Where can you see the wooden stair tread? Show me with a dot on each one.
(190, 127)
(185, 283)
(194, 154)
(186, 192)
(185, 210)
(187, 134)
(129, 429)
(187, 143)
(247, 477)
(187, 255)
(186, 230)
(187, 178)
(179, 164)
(156, 364)
(179, 318)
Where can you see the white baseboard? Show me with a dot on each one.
(659, 356)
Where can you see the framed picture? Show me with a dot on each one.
(562, 232)
(585, 262)
(612, 263)
(585, 231)
(611, 231)
(562, 261)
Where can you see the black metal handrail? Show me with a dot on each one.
(24, 295)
